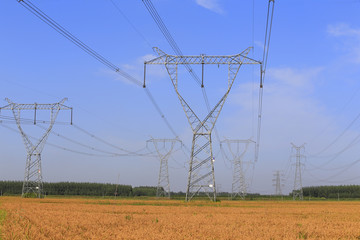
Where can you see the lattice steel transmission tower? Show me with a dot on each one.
(278, 178)
(238, 149)
(33, 174)
(201, 170)
(164, 149)
(298, 191)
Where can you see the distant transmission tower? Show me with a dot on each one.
(117, 186)
(201, 170)
(33, 174)
(298, 191)
(164, 149)
(239, 183)
(277, 183)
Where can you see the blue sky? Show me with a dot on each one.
(310, 94)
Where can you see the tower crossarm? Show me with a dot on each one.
(240, 58)
(38, 106)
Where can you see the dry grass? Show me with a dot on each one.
(172, 219)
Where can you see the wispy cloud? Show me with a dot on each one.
(343, 29)
(212, 5)
(295, 77)
(291, 111)
(136, 70)
(350, 37)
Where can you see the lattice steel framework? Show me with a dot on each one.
(164, 152)
(277, 183)
(239, 184)
(201, 170)
(33, 174)
(298, 191)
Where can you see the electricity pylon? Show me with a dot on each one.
(277, 183)
(33, 174)
(239, 183)
(164, 152)
(201, 169)
(298, 191)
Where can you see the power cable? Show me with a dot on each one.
(146, 90)
(9, 119)
(109, 144)
(68, 149)
(268, 35)
(268, 29)
(343, 170)
(164, 30)
(57, 27)
(130, 23)
(329, 181)
(225, 157)
(79, 143)
(338, 112)
(351, 144)
(253, 72)
(339, 136)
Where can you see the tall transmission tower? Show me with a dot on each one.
(201, 170)
(238, 149)
(278, 178)
(164, 149)
(33, 174)
(298, 191)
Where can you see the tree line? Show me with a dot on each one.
(342, 191)
(80, 189)
(108, 189)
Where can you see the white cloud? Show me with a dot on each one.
(146, 57)
(136, 70)
(343, 29)
(259, 44)
(350, 37)
(281, 83)
(294, 77)
(212, 5)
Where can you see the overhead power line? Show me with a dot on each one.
(169, 38)
(268, 29)
(336, 155)
(8, 119)
(339, 136)
(69, 149)
(57, 27)
(11, 120)
(65, 33)
(136, 153)
(128, 153)
(269, 21)
(343, 169)
(130, 23)
(164, 30)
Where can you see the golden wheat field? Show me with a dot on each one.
(52, 218)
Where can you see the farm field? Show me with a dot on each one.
(62, 218)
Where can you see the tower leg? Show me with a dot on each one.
(201, 171)
(33, 176)
(164, 153)
(163, 188)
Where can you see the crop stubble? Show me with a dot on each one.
(173, 219)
